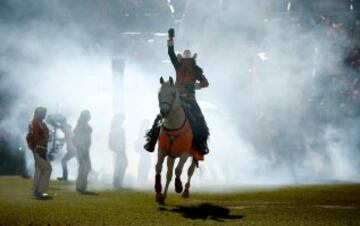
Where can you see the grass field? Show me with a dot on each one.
(305, 205)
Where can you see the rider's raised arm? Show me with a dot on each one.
(172, 54)
(203, 82)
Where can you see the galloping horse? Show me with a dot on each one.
(175, 140)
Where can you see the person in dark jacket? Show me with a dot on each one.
(189, 77)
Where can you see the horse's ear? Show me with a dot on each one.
(161, 80)
(171, 80)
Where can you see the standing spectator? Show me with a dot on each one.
(117, 145)
(70, 149)
(82, 143)
(37, 139)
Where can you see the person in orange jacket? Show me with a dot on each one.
(38, 144)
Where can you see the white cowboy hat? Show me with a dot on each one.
(187, 54)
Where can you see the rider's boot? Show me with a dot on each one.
(152, 135)
(200, 144)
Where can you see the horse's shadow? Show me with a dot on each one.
(204, 211)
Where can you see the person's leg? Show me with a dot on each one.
(80, 173)
(122, 164)
(87, 169)
(152, 135)
(116, 180)
(35, 187)
(45, 173)
(198, 126)
(69, 155)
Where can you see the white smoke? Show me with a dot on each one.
(261, 79)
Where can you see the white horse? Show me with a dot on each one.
(175, 140)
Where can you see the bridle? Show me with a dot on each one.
(171, 102)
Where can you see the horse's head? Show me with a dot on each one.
(168, 97)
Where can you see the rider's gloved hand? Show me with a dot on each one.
(171, 33)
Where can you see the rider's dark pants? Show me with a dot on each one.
(198, 125)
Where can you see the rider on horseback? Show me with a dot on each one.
(187, 75)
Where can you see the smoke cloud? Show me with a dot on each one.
(273, 103)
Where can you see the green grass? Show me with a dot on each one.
(304, 205)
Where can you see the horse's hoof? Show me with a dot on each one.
(178, 185)
(185, 194)
(160, 199)
(158, 187)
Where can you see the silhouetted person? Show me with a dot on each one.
(82, 143)
(145, 161)
(70, 149)
(118, 146)
(37, 139)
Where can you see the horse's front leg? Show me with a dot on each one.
(191, 170)
(178, 172)
(169, 174)
(158, 169)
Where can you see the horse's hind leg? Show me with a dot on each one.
(169, 174)
(158, 168)
(178, 171)
(191, 170)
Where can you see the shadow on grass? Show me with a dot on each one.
(89, 193)
(56, 189)
(46, 198)
(204, 211)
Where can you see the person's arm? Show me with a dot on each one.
(171, 51)
(203, 82)
(172, 54)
